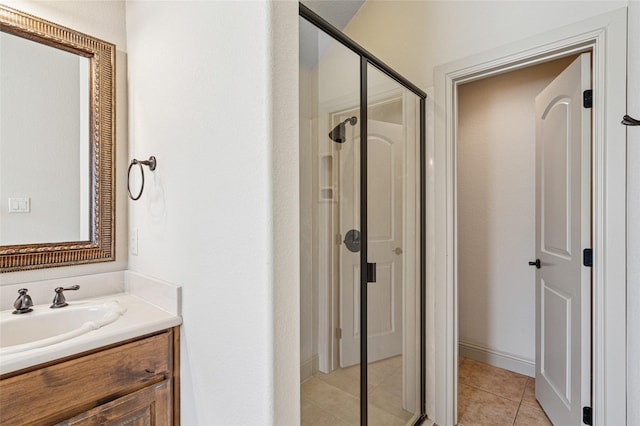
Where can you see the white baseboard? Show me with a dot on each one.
(309, 367)
(497, 359)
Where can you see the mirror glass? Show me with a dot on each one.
(56, 145)
(44, 143)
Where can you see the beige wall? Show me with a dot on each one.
(415, 36)
(496, 216)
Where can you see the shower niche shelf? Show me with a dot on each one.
(326, 180)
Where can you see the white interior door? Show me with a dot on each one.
(563, 228)
(384, 199)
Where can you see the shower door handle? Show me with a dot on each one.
(371, 272)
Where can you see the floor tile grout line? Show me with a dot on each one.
(518, 411)
(489, 392)
(520, 404)
(526, 383)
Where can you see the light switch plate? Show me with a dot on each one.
(19, 205)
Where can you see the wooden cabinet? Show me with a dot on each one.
(133, 383)
(148, 406)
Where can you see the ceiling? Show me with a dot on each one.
(313, 43)
(337, 12)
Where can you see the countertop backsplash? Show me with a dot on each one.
(161, 294)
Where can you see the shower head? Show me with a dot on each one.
(338, 134)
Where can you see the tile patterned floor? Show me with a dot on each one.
(489, 395)
(333, 399)
(486, 396)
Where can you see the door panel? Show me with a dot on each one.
(555, 168)
(563, 227)
(556, 340)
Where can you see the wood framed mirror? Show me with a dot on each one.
(57, 118)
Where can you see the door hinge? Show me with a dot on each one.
(587, 98)
(586, 415)
(587, 257)
(338, 239)
(338, 333)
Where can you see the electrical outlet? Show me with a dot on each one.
(133, 242)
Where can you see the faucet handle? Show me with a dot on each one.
(59, 301)
(23, 303)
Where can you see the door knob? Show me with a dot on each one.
(397, 250)
(536, 263)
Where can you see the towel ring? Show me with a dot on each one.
(151, 162)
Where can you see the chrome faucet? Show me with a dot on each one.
(59, 301)
(23, 303)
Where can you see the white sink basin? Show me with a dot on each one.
(44, 326)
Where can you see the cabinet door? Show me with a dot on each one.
(150, 406)
(58, 391)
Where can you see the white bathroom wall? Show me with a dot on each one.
(633, 218)
(496, 216)
(213, 92)
(104, 20)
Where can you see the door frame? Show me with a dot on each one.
(606, 37)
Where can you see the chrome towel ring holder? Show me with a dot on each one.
(151, 163)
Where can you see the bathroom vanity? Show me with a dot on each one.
(110, 353)
(110, 356)
(133, 382)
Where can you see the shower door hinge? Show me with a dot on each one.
(338, 333)
(587, 98)
(586, 415)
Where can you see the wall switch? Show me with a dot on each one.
(19, 205)
(133, 242)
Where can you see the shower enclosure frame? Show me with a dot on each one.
(366, 58)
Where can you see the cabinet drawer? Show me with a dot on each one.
(148, 406)
(60, 391)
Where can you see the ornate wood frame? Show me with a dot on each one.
(101, 54)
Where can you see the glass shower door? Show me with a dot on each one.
(330, 229)
(362, 359)
(393, 245)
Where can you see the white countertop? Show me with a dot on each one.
(141, 317)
